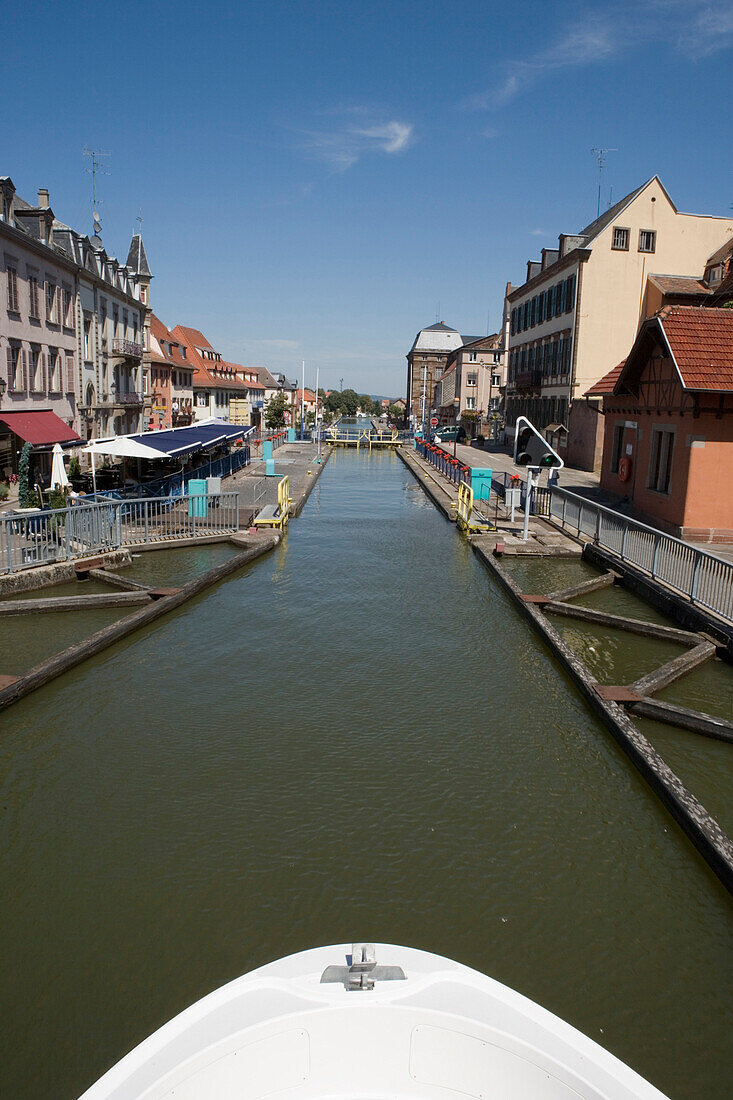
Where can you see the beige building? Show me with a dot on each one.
(472, 381)
(38, 330)
(578, 311)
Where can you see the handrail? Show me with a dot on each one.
(701, 577)
(48, 535)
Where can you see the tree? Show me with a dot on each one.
(25, 499)
(349, 402)
(275, 411)
(396, 412)
(333, 402)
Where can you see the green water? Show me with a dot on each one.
(355, 737)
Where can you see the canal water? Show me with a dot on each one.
(356, 737)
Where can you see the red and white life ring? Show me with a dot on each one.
(624, 469)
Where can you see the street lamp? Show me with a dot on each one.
(456, 408)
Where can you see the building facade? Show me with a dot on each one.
(38, 323)
(216, 382)
(426, 363)
(668, 414)
(472, 381)
(579, 309)
(170, 378)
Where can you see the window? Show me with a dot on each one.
(472, 356)
(183, 351)
(201, 399)
(36, 371)
(51, 314)
(620, 241)
(570, 295)
(15, 367)
(471, 379)
(470, 402)
(143, 294)
(54, 371)
(616, 450)
(13, 304)
(68, 313)
(660, 459)
(115, 321)
(496, 380)
(647, 240)
(87, 338)
(33, 296)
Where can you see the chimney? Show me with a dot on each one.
(43, 198)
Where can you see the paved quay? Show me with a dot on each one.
(298, 461)
(583, 482)
(545, 540)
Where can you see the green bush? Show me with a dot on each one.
(25, 494)
(4, 491)
(74, 467)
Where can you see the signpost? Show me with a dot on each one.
(433, 422)
(532, 450)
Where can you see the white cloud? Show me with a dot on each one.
(695, 28)
(343, 147)
(392, 137)
(537, 233)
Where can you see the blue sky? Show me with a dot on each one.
(318, 180)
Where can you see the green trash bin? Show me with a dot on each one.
(197, 504)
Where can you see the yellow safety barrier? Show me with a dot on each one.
(464, 515)
(277, 515)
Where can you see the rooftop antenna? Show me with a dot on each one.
(600, 155)
(96, 169)
(139, 220)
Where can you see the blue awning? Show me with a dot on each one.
(172, 442)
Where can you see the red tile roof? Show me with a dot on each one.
(164, 336)
(607, 383)
(203, 375)
(680, 284)
(701, 342)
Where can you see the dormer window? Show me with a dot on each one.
(715, 274)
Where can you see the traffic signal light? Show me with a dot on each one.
(532, 449)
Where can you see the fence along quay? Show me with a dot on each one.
(691, 575)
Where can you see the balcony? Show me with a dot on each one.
(126, 349)
(528, 379)
(123, 400)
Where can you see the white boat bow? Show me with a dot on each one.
(357, 1022)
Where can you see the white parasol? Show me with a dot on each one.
(58, 470)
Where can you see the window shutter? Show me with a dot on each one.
(9, 358)
(69, 372)
(24, 374)
(44, 377)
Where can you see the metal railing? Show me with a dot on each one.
(277, 438)
(700, 577)
(50, 535)
(445, 463)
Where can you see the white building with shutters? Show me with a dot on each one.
(38, 323)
